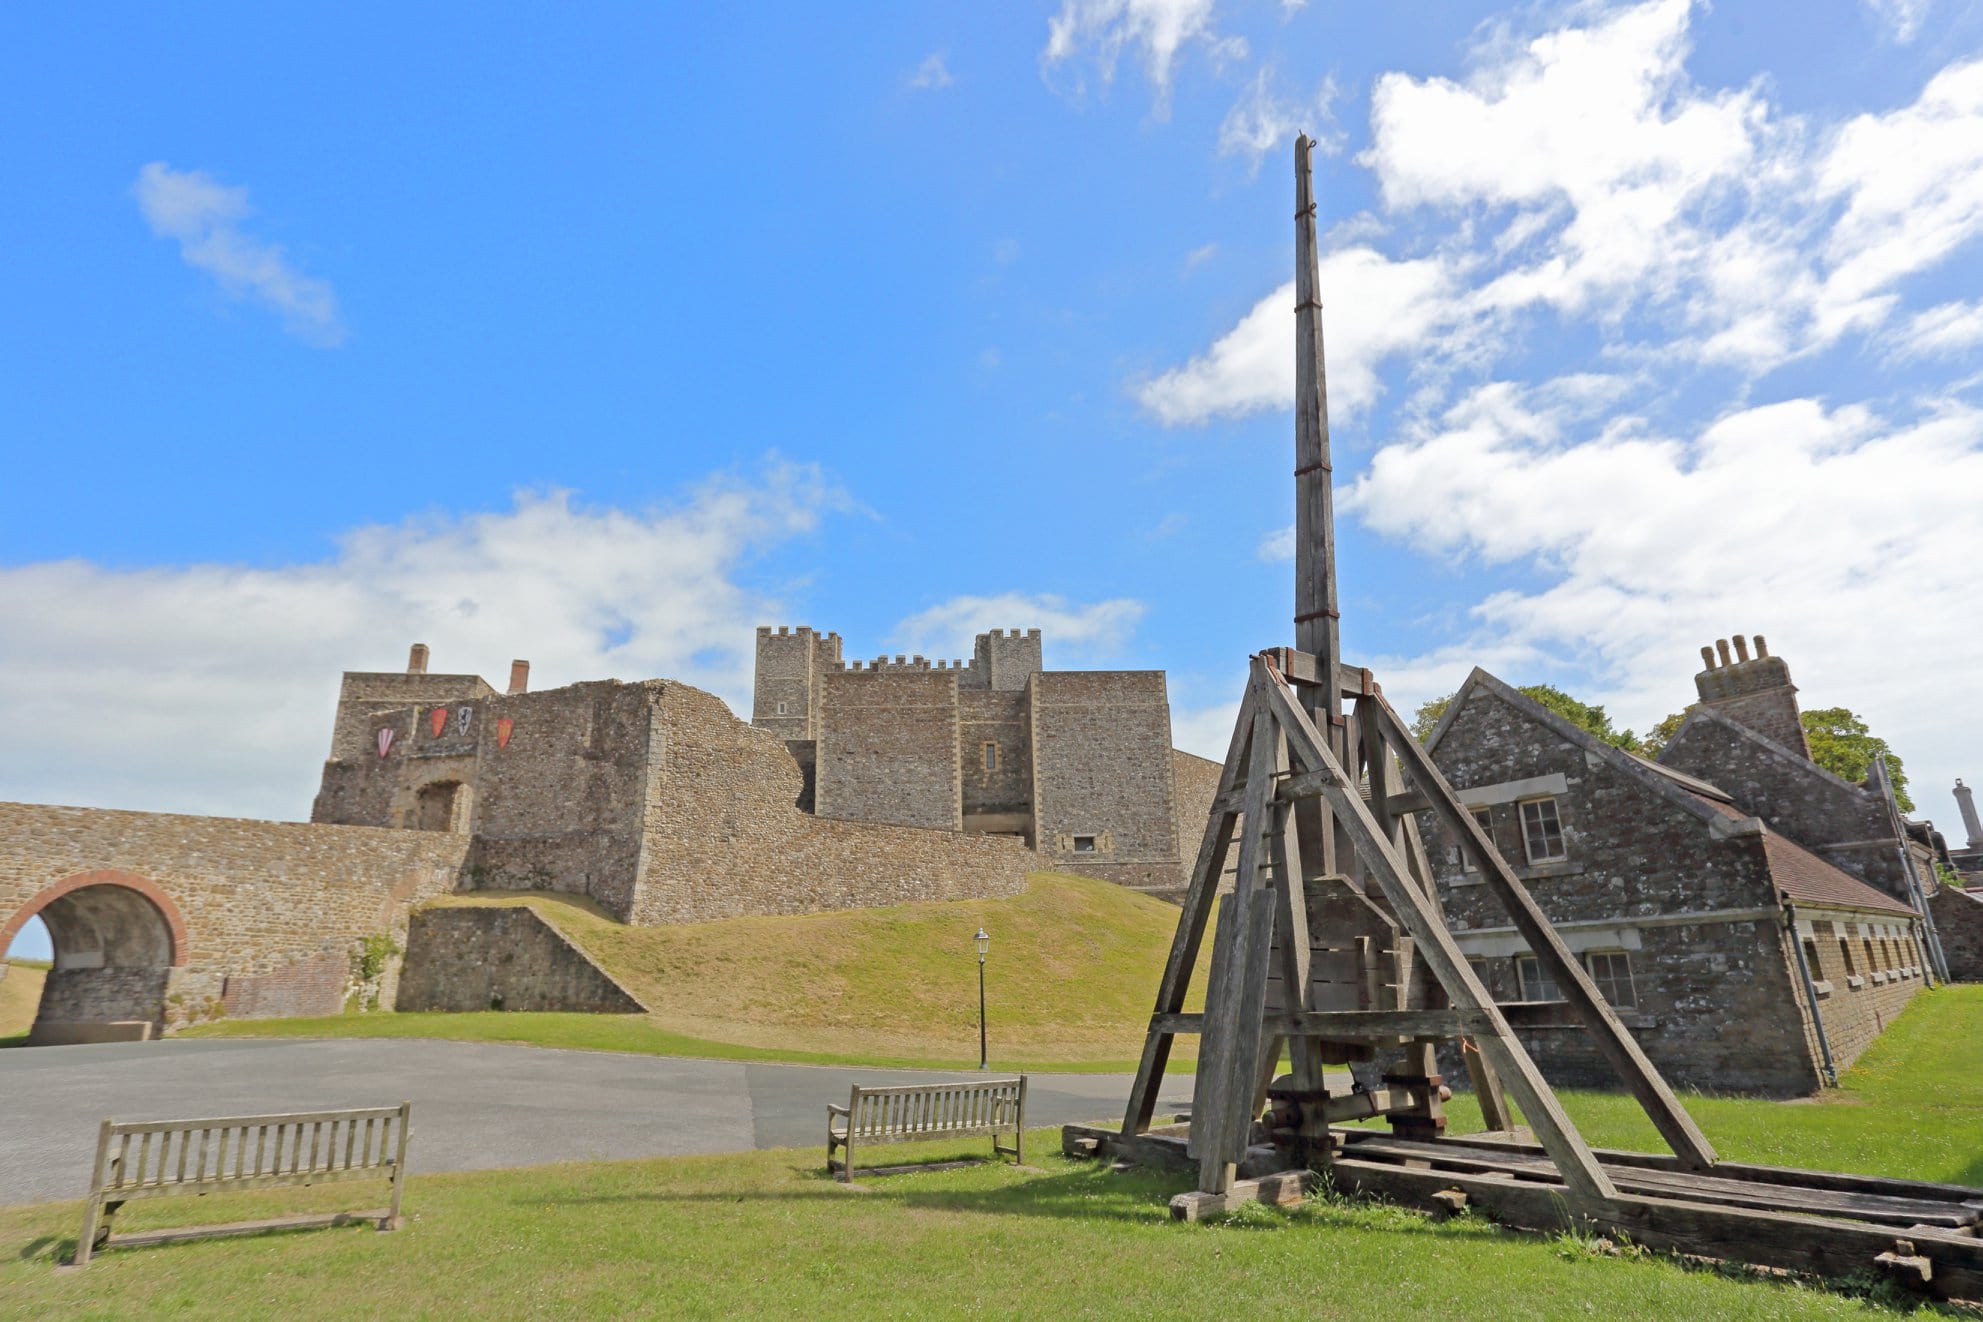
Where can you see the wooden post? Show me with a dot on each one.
(393, 1221)
(93, 1209)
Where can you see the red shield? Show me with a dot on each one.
(437, 720)
(385, 740)
(503, 728)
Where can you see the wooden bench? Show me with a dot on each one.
(930, 1110)
(228, 1154)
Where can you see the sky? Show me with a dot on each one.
(599, 336)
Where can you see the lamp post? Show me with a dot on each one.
(983, 939)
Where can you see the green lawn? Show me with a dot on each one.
(1071, 979)
(20, 993)
(767, 1233)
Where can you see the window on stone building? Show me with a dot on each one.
(1084, 844)
(1845, 953)
(1534, 980)
(1542, 831)
(991, 757)
(1611, 970)
(1479, 967)
(1811, 963)
(1485, 821)
(781, 709)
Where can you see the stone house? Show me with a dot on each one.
(1078, 764)
(1741, 956)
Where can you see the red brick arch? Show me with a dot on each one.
(104, 877)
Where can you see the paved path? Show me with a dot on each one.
(475, 1105)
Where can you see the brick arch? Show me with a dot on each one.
(144, 886)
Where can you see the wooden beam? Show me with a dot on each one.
(1545, 1114)
(1282, 1189)
(1201, 893)
(1348, 1025)
(1610, 1036)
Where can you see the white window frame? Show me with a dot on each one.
(1484, 819)
(1529, 969)
(1528, 835)
(1607, 982)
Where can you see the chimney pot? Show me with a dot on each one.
(1707, 658)
(416, 660)
(519, 677)
(1741, 648)
(1721, 646)
(1762, 647)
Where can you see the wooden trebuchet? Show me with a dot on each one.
(229, 1154)
(1334, 943)
(931, 1110)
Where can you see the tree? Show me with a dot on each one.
(1580, 714)
(1662, 734)
(1842, 744)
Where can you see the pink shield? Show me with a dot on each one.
(385, 741)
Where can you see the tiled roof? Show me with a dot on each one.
(1804, 878)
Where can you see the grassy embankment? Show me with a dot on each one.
(767, 1234)
(1072, 974)
(20, 993)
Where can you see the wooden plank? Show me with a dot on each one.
(1545, 1114)
(1304, 668)
(151, 1238)
(299, 1117)
(1609, 1035)
(1350, 1025)
(1200, 895)
(1818, 1247)
(1282, 1189)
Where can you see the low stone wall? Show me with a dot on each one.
(1958, 919)
(460, 959)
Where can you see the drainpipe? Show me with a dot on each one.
(1810, 991)
(1938, 964)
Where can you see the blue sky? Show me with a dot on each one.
(598, 336)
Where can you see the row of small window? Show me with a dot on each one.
(1542, 830)
(1880, 954)
(1611, 970)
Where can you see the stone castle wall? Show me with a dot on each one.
(724, 837)
(1959, 924)
(888, 748)
(1002, 793)
(1102, 768)
(266, 907)
(1195, 782)
(461, 959)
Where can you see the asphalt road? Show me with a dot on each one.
(475, 1105)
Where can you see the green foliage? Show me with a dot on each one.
(1580, 714)
(370, 957)
(1662, 733)
(1842, 744)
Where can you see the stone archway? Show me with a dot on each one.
(117, 938)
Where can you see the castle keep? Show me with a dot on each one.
(1078, 764)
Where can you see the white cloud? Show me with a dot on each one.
(1375, 308)
(1090, 632)
(1277, 547)
(1948, 328)
(1206, 731)
(205, 218)
(1899, 20)
(1809, 524)
(1102, 29)
(1262, 120)
(210, 688)
(933, 73)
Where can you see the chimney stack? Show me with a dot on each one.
(416, 660)
(1754, 691)
(1965, 800)
(519, 677)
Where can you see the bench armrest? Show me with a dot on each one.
(831, 1109)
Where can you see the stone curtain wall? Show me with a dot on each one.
(1958, 919)
(724, 839)
(1102, 768)
(256, 897)
(887, 748)
(560, 808)
(1006, 791)
(460, 959)
(1195, 782)
(1719, 1004)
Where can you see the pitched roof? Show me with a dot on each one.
(1803, 878)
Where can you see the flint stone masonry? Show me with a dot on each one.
(1102, 767)
(168, 918)
(1753, 691)
(888, 749)
(1958, 919)
(460, 959)
(1684, 885)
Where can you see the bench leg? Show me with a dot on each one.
(86, 1242)
(847, 1158)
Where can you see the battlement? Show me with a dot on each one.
(882, 664)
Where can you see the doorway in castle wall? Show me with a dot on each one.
(114, 940)
(442, 806)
